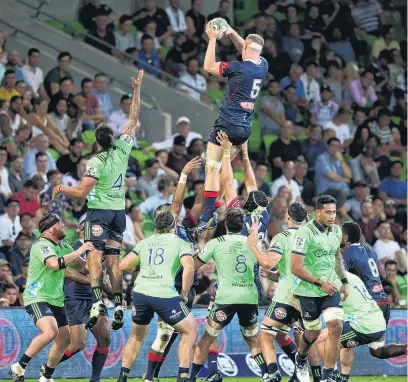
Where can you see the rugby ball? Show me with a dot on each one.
(219, 25)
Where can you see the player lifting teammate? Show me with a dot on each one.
(245, 80)
(44, 296)
(103, 185)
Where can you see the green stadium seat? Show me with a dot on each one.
(239, 175)
(396, 120)
(255, 139)
(141, 157)
(268, 140)
(143, 144)
(279, 16)
(216, 96)
(88, 137)
(54, 153)
(75, 28)
(56, 25)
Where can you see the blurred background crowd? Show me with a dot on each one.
(332, 118)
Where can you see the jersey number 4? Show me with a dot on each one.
(256, 88)
(118, 182)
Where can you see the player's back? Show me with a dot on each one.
(235, 269)
(109, 169)
(360, 309)
(362, 260)
(159, 256)
(245, 81)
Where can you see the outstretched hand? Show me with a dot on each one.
(192, 165)
(137, 82)
(56, 191)
(211, 33)
(223, 140)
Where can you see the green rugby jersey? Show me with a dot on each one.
(43, 283)
(282, 244)
(319, 248)
(360, 309)
(109, 169)
(159, 257)
(235, 263)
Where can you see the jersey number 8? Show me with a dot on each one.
(373, 267)
(256, 88)
(241, 266)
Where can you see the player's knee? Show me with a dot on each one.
(377, 353)
(334, 320)
(377, 350)
(164, 333)
(104, 341)
(51, 334)
(78, 344)
(282, 338)
(314, 325)
(249, 333)
(335, 327)
(310, 336)
(211, 331)
(269, 329)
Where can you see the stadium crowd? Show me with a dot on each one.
(332, 116)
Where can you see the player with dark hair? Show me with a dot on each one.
(236, 293)
(44, 296)
(245, 79)
(281, 313)
(160, 256)
(316, 261)
(103, 185)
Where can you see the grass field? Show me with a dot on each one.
(352, 379)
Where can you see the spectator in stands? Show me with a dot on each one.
(15, 180)
(367, 222)
(10, 292)
(124, 39)
(148, 30)
(90, 11)
(104, 99)
(398, 283)
(33, 74)
(393, 187)
(176, 16)
(196, 148)
(162, 157)
(19, 254)
(59, 115)
(278, 61)
(183, 127)
(359, 117)
(223, 11)
(147, 184)
(351, 210)
(397, 68)
(380, 126)
(5, 189)
(61, 204)
(325, 109)
(15, 63)
(391, 213)
(283, 149)
(272, 111)
(28, 225)
(41, 144)
(73, 179)
(11, 119)
(286, 179)
(292, 44)
(261, 173)
(177, 55)
(152, 12)
(41, 163)
(384, 246)
(119, 117)
(9, 224)
(193, 78)
(5, 276)
(361, 91)
(76, 110)
(102, 36)
(164, 195)
(291, 17)
(65, 91)
(295, 73)
(260, 25)
(17, 145)
(41, 123)
(333, 79)
(310, 85)
(195, 21)
(67, 163)
(137, 218)
(3, 48)
(8, 90)
(340, 126)
(366, 15)
(178, 157)
(277, 216)
(332, 173)
(364, 168)
(54, 76)
(290, 103)
(148, 58)
(94, 113)
(306, 186)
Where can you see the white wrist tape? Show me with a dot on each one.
(183, 178)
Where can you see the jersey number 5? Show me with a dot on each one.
(256, 88)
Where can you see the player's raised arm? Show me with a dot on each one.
(188, 275)
(236, 39)
(57, 263)
(210, 65)
(129, 261)
(249, 176)
(130, 127)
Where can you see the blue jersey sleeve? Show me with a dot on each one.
(347, 259)
(229, 68)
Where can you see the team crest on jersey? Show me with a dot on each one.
(45, 250)
(300, 243)
(221, 316)
(91, 172)
(352, 343)
(281, 313)
(128, 139)
(97, 230)
(276, 247)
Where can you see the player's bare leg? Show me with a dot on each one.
(94, 262)
(269, 332)
(332, 346)
(112, 252)
(346, 361)
(188, 331)
(78, 342)
(306, 340)
(250, 335)
(132, 349)
(101, 332)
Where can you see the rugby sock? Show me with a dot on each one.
(24, 360)
(272, 368)
(98, 362)
(316, 373)
(345, 377)
(189, 221)
(289, 348)
(117, 299)
(124, 372)
(300, 359)
(67, 355)
(212, 362)
(154, 360)
(183, 370)
(96, 294)
(209, 205)
(195, 369)
(259, 359)
(327, 372)
(48, 371)
(166, 351)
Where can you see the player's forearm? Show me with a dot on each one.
(73, 192)
(249, 176)
(178, 198)
(187, 281)
(339, 267)
(209, 59)
(130, 127)
(76, 276)
(237, 40)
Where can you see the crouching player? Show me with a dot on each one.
(160, 256)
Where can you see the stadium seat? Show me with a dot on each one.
(141, 157)
(54, 153)
(216, 96)
(268, 139)
(75, 28)
(88, 137)
(239, 175)
(255, 139)
(148, 225)
(56, 24)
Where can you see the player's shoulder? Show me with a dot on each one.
(308, 229)
(336, 229)
(353, 279)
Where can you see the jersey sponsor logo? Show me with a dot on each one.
(97, 230)
(226, 365)
(221, 316)
(322, 252)
(300, 244)
(128, 139)
(397, 333)
(378, 288)
(352, 343)
(9, 343)
(281, 313)
(91, 172)
(224, 66)
(247, 105)
(175, 314)
(133, 310)
(286, 364)
(45, 250)
(253, 366)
